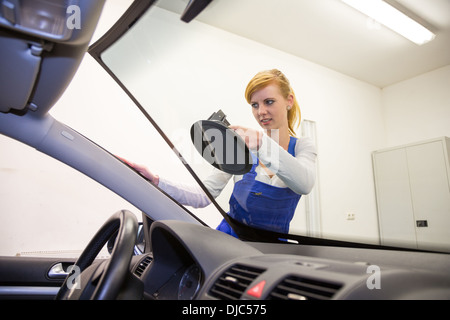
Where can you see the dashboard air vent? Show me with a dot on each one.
(299, 288)
(234, 281)
(140, 269)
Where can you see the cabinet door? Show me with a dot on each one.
(430, 193)
(396, 218)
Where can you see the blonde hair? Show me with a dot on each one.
(263, 79)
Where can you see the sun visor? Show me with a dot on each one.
(20, 62)
(42, 43)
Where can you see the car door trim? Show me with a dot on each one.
(28, 291)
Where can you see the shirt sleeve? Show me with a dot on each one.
(299, 172)
(192, 194)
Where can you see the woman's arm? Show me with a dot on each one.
(192, 194)
(187, 194)
(299, 172)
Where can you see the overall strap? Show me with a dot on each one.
(292, 143)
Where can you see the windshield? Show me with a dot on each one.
(179, 74)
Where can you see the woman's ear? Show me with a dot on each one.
(290, 99)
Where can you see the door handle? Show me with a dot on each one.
(57, 271)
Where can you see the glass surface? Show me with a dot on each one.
(182, 73)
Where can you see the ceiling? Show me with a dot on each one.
(334, 35)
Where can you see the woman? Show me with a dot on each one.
(283, 167)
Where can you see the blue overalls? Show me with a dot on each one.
(261, 205)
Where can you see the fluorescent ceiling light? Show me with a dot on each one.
(393, 19)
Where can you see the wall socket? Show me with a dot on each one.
(350, 216)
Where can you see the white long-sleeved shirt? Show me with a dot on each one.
(297, 173)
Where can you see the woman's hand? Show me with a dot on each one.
(252, 137)
(143, 170)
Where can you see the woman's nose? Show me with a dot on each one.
(262, 110)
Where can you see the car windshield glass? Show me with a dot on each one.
(344, 167)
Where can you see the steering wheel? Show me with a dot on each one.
(102, 281)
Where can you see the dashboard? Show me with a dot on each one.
(189, 261)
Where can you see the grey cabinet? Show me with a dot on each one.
(412, 184)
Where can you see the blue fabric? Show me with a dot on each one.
(260, 205)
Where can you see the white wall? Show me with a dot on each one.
(349, 115)
(418, 109)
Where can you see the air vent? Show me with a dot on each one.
(298, 288)
(234, 281)
(140, 269)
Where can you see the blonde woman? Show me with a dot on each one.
(283, 165)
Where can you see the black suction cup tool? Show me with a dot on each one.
(220, 146)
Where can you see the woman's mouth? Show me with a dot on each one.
(265, 121)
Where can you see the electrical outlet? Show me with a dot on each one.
(350, 216)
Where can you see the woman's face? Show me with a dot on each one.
(270, 108)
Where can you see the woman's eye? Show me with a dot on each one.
(269, 102)
(254, 105)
